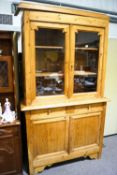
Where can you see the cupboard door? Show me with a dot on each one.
(10, 151)
(84, 130)
(50, 136)
(87, 59)
(50, 46)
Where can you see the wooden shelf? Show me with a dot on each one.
(86, 48)
(14, 123)
(5, 56)
(48, 74)
(60, 47)
(84, 73)
(45, 105)
(49, 47)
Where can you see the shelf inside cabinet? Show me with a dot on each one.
(86, 48)
(49, 47)
(2, 57)
(84, 73)
(48, 74)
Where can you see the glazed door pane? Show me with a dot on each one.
(4, 74)
(86, 61)
(50, 57)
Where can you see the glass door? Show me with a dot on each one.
(51, 59)
(87, 60)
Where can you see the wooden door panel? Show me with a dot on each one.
(10, 151)
(49, 136)
(84, 130)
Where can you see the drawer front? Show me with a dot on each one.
(82, 109)
(9, 132)
(48, 113)
(67, 111)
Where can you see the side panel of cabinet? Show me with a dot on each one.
(85, 130)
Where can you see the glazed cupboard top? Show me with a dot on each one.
(64, 55)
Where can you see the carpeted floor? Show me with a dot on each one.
(107, 165)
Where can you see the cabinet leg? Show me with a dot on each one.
(39, 169)
(94, 156)
(50, 165)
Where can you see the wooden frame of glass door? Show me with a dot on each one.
(100, 31)
(35, 26)
(9, 74)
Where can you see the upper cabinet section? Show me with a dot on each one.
(64, 53)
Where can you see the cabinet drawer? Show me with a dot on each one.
(48, 113)
(72, 110)
(9, 132)
(85, 108)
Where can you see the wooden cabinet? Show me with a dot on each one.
(10, 149)
(64, 60)
(10, 139)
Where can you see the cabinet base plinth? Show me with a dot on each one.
(94, 156)
(39, 169)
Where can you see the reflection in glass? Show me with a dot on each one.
(86, 61)
(3, 74)
(49, 85)
(49, 37)
(49, 62)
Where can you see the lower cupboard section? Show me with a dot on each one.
(62, 134)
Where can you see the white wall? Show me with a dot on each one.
(113, 31)
(110, 5)
(111, 82)
(5, 8)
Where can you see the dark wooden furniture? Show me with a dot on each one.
(10, 149)
(6, 68)
(10, 139)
